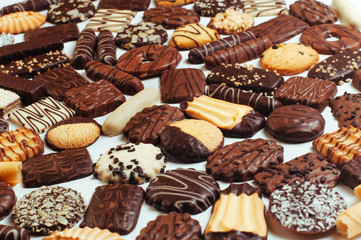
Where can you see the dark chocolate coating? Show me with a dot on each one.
(115, 207)
(13, 233)
(347, 109)
(238, 189)
(280, 28)
(29, 5)
(106, 49)
(125, 82)
(29, 91)
(246, 77)
(231, 235)
(313, 92)
(94, 99)
(31, 48)
(71, 11)
(4, 126)
(295, 123)
(182, 190)
(241, 53)
(146, 126)
(313, 12)
(57, 168)
(134, 5)
(351, 173)
(209, 8)
(84, 49)
(240, 161)
(175, 226)
(34, 65)
(198, 54)
(170, 17)
(160, 58)
(65, 32)
(337, 68)
(316, 37)
(179, 84)
(58, 80)
(7, 200)
(264, 105)
(356, 80)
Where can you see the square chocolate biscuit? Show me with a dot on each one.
(351, 173)
(94, 99)
(134, 5)
(179, 84)
(347, 109)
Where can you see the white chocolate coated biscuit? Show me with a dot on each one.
(347, 13)
(111, 19)
(259, 8)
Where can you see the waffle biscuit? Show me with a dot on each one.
(110, 19)
(340, 146)
(10, 172)
(348, 223)
(259, 8)
(86, 233)
(231, 22)
(20, 22)
(9, 101)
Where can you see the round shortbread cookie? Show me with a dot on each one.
(130, 163)
(289, 58)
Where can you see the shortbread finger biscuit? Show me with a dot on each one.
(86, 233)
(231, 22)
(347, 13)
(259, 8)
(106, 49)
(110, 19)
(348, 223)
(9, 101)
(10, 172)
(20, 22)
(238, 214)
(234, 120)
(84, 49)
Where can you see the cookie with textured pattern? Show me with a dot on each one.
(111, 19)
(260, 8)
(20, 22)
(71, 11)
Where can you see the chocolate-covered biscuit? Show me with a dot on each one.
(4, 126)
(260, 8)
(356, 80)
(29, 5)
(346, 109)
(71, 11)
(146, 126)
(125, 82)
(240, 161)
(134, 5)
(209, 8)
(7, 200)
(182, 190)
(170, 17)
(337, 68)
(351, 173)
(106, 49)
(176, 226)
(144, 33)
(57, 168)
(246, 77)
(84, 49)
(13, 233)
(313, 12)
(115, 207)
(308, 166)
(313, 92)
(295, 123)
(94, 99)
(149, 60)
(241, 53)
(33, 65)
(179, 84)
(65, 32)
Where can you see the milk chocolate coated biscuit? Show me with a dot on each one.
(356, 80)
(4, 126)
(176, 226)
(313, 12)
(9, 101)
(110, 19)
(313, 92)
(295, 123)
(346, 109)
(106, 49)
(20, 22)
(350, 173)
(144, 33)
(115, 207)
(94, 99)
(209, 8)
(146, 126)
(7, 200)
(84, 49)
(170, 17)
(13, 233)
(125, 82)
(179, 84)
(246, 77)
(57, 168)
(241, 53)
(134, 5)
(260, 103)
(29, 5)
(259, 8)
(149, 60)
(337, 68)
(66, 32)
(308, 166)
(71, 11)
(182, 190)
(316, 37)
(240, 161)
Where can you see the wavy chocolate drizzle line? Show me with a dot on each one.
(264, 8)
(31, 5)
(85, 48)
(106, 49)
(110, 19)
(13, 233)
(313, 12)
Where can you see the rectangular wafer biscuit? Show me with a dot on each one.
(9, 101)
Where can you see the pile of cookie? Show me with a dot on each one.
(179, 119)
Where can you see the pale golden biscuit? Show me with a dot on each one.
(10, 172)
(347, 13)
(348, 223)
(192, 35)
(86, 233)
(20, 22)
(231, 22)
(357, 191)
(289, 58)
(173, 2)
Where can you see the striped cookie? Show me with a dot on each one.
(20, 22)
(111, 19)
(259, 8)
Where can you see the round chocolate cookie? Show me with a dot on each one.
(209, 8)
(170, 17)
(306, 207)
(295, 123)
(313, 12)
(71, 11)
(182, 190)
(7, 199)
(4, 126)
(144, 33)
(48, 209)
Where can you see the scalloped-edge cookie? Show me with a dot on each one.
(86, 233)
(20, 22)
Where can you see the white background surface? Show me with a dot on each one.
(87, 185)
